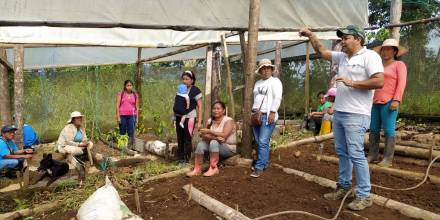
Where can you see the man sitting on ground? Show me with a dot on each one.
(11, 158)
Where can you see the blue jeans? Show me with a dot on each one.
(8, 163)
(127, 125)
(349, 130)
(382, 117)
(262, 135)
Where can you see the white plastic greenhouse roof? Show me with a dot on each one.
(110, 31)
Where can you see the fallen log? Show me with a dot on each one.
(29, 211)
(213, 205)
(392, 171)
(410, 151)
(238, 161)
(314, 139)
(403, 208)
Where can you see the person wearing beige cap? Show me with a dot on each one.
(360, 71)
(386, 102)
(73, 140)
(268, 92)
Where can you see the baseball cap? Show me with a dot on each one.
(351, 30)
(8, 128)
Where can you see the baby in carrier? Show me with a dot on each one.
(181, 103)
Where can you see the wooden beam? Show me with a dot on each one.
(278, 49)
(307, 81)
(19, 93)
(172, 53)
(5, 97)
(152, 26)
(395, 14)
(4, 61)
(208, 84)
(228, 77)
(139, 80)
(409, 23)
(249, 78)
(235, 57)
(216, 65)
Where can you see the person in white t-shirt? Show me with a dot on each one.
(268, 93)
(360, 71)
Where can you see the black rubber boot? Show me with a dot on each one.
(373, 148)
(388, 155)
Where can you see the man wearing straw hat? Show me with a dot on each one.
(386, 102)
(360, 71)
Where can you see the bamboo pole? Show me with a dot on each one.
(19, 93)
(307, 81)
(229, 77)
(395, 14)
(409, 23)
(213, 205)
(392, 171)
(403, 208)
(314, 139)
(5, 97)
(410, 151)
(208, 84)
(251, 59)
(278, 49)
(243, 48)
(215, 80)
(139, 77)
(172, 53)
(235, 57)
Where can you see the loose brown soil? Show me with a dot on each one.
(425, 197)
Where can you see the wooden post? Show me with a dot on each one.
(229, 77)
(139, 77)
(306, 80)
(395, 14)
(5, 98)
(249, 77)
(208, 83)
(278, 49)
(243, 47)
(19, 93)
(215, 80)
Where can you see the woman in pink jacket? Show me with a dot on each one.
(386, 102)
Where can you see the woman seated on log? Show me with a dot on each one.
(73, 141)
(218, 138)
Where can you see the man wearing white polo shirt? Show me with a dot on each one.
(360, 71)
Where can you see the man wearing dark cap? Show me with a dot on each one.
(360, 71)
(10, 157)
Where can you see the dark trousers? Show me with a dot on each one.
(127, 125)
(184, 140)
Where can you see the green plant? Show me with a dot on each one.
(21, 203)
(121, 141)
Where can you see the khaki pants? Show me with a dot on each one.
(72, 151)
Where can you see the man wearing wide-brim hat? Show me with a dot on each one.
(360, 71)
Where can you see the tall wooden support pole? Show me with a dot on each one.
(5, 98)
(307, 80)
(229, 77)
(208, 83)
(243, 47)
(395, 14)
(215, 94)
(251, 59)
(139, 80)
(278, 49)
(19, 93)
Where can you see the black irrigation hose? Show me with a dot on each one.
(348, 193)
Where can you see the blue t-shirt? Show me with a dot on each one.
(6, 147)
(78, 136)
(30, 137)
